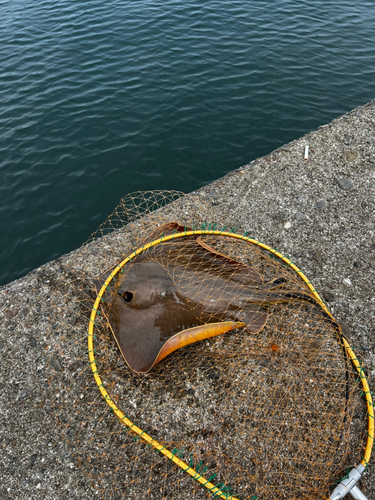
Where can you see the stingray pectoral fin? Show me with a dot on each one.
(195, 334)
(166, 229)
(254, 316)
(287, 296)
(239, 267)
(277, 283)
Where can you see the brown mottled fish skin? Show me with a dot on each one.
(182, 292)
(155, 314)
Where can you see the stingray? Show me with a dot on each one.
(181, 292)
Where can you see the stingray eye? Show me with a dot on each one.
(127, 296)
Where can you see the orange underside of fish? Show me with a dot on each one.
(192, 335)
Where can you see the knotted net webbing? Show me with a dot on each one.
(272, 409)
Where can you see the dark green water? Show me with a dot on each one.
(99, 99)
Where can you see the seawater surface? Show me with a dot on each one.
(99, 99)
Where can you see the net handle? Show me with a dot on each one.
(216, 491)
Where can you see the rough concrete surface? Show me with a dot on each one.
(320, 212)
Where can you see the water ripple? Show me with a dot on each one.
(102, 98)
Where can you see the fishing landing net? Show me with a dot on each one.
(202, 363)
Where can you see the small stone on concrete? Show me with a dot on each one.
(300, 216)
(319, 204)
(347, 282)
(288, 225)
(329, 296)
(32, 342)
(350, 155)
(344, 327)
(318, 257)
(37, 415)
(213, 373)
(55, 364)
(344, 184)
(30, 379)
(24, 393)
(11, 313)
(263, 361)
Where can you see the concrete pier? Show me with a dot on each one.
(319, 211)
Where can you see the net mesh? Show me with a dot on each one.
(269, 410)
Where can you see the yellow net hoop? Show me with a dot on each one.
(170, 455)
